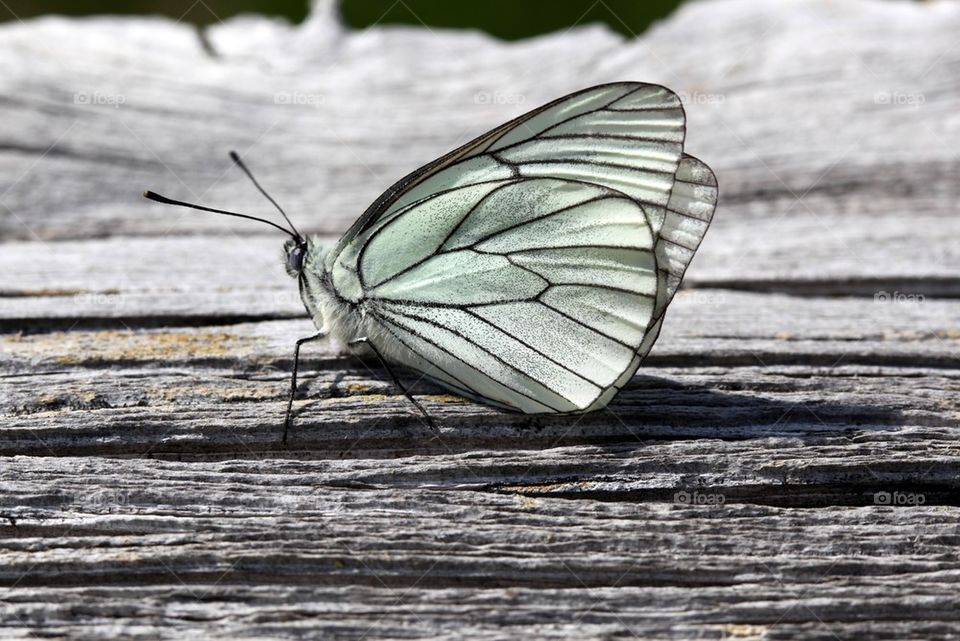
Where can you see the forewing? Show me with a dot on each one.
(626, 135)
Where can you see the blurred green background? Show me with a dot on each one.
(508, 19)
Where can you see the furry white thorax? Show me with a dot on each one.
(342, 321)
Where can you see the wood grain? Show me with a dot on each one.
(786, 465)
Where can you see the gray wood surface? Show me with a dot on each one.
(785, 466)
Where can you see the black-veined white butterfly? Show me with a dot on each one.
(529, 269)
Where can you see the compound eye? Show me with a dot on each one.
(295, 259)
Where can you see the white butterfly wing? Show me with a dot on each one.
(522, 269)
(636, 128)
(688, 215)
(544, 287)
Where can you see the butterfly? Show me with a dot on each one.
(529, 269)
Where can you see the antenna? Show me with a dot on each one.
(170, 201)
(236, 158)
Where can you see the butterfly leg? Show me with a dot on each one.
(293, 380)
(396, 381)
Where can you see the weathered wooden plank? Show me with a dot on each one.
(157, 501)
(703, 327)
(782, 448)
(244, 277)
(209, 392)
(221, 413)
(725, 367)
(662, 612)
(805, 177)
(651, 567)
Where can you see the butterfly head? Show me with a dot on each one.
(295, 250)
